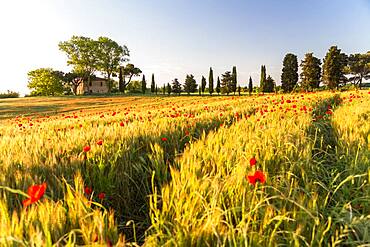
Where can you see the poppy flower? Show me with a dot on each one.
(258, 176)
(87, 149)
(100, 142)
(88, 190)
(164, 139)
(101, 195)
(252, 161)
(121, 124)
(35, 192)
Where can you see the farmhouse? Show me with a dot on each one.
(97, 85)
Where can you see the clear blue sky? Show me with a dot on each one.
(172, 38)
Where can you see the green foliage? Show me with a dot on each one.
(210, 79)
(9, 94)
(218, 86)
(334, 68)
(289, 77)
(269, 85)
(190, 85)
(169, 89)
(358, 67)
(110, 55)
(204, 84)
(176, 86)
(128, 71)
(263, 77)
(226, 82)
(143, 85)
(311, 72)
(250, 86)
(46, 82)
(233, 81)
(82, 54)
(153, 87)
(135, 87)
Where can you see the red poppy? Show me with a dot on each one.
(253, 161)
(88, 190)
(35, 192)
(101, 195)
(121, 124)
(87, 149)
(100, 142)
(164, 139)
(258, 176)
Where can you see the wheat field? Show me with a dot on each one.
(261, 170)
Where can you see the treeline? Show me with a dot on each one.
(337, 70)
(88, 56)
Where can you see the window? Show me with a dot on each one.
(101, 83)
(90, 84)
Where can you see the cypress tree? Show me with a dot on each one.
(263, 78)
(269, 85)
(152, 88)
(311, 72)
(169, 89)
(250, 86)
(156, 90)
(190, 85)
(120, 80)
(226, 82)
(233, 81)
(239, 90)
(210, 79)
(218, 86)
(204, 84)
(176, 86)
(143, 85)
(333, 67)
(289, 77)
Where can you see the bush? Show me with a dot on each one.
(9, 94)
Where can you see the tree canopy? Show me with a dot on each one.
(289, 77)
(358, 67)
(190, 85)
(46, 82)
(311, 72)
(334, 68)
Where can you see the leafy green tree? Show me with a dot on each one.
(311, 72)
(190, 85)
(143, 84)
(289, 77)
(334, 68)
(269, 85)
(129, 71)
(250, 86)
(46, 82)
(210, 79)
(169, 89)
(204, 84)
(73, 80)
(233, 81)
(152, 86)
(110, 55)
(226, 82)
(263, 78)
(176, 86)
(82, 54)
(359, 68)
(218, 86)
